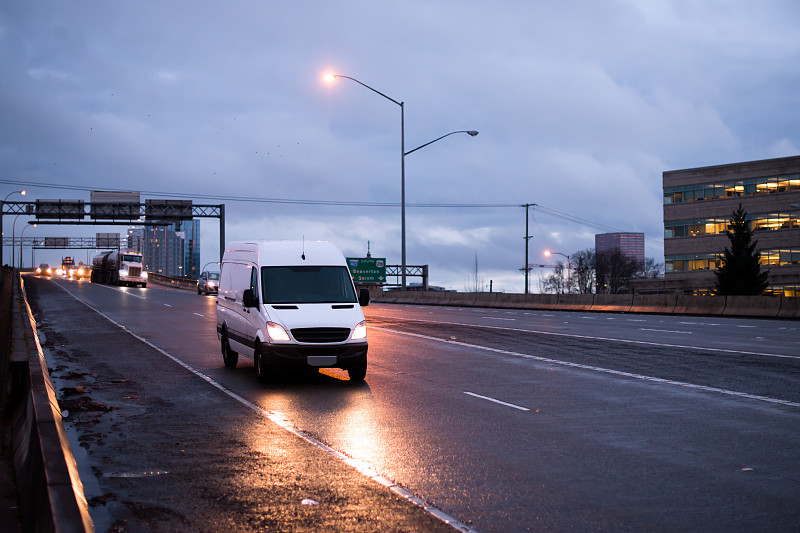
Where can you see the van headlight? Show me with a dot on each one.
(276, 332)
(360, 331)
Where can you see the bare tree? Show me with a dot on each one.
(650, 269)
(474, 281)
(554, 283)
(583, 271)
(614, 270)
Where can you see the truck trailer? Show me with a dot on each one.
(119, 268)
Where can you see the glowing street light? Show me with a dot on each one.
(548, 253)
(330, 77)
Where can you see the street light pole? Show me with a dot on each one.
(2, 210)
(548, 253)
(403, 154)
(21, 240)
(330, 78)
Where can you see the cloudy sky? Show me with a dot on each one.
(580, 107)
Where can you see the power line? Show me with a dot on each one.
(341, 203)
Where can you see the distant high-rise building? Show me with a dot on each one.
(167, 251)
(630, 244)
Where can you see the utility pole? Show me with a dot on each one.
(527, 238)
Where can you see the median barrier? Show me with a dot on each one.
(511, 301)
(699, 305)
(790, 307)
(485, 299)
(762, 306)
(618, 303)
(654, 303)
(541, 302)
(181, 283)
(50, 490)
(575, 302)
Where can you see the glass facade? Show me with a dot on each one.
(710, 261)
(716, 226)
(731, 189)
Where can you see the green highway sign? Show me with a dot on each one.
(367, 269)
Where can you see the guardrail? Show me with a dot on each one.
(49, 487)
(182, 283)
(663, 304)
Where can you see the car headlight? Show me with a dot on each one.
(80, 272)
(360, 331)
(276, 332)
(211, 284)
(38, 270)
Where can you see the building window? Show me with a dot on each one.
(732, 189)
(717, 226)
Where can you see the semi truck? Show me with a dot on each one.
(119, 268)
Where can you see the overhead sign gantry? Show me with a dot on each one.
(114, 208)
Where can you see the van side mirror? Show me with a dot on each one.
(363, 297)
(249, 299)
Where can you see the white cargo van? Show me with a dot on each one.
(290, 304)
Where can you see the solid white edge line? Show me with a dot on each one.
(497, 401)
(591, 338)
(600, 369)
(361, 466)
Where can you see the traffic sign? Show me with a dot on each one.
(367, 269)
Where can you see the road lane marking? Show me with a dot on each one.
(666, 331)
(589, 337)
(498, 318)
(643, 377)
(167, 305)
(198, 314)
(497, 401)
(363, 467)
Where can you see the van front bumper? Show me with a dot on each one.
(286, 356)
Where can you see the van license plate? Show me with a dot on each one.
(321, 360)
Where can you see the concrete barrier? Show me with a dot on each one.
(575, 302)
(654, 303)
(50, 490)
(617, 303)
(511, 301)
(764, 306)
(541, 302)
(790, 307)
(699, 305)
(757, 306)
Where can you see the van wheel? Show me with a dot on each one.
(262, 370)
(357, 373)
(229, 357)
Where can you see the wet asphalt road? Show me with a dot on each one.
(505, 420)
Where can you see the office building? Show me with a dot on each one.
(698, 204)
(170, 250)
(630, 244)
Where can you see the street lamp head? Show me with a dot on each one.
(23, 193)
(547, 253)
(330, 77)
(472, 133)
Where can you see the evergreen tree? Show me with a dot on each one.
(739, 272)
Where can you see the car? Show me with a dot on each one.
(208, 283)
(44, 270)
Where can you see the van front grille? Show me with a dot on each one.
(321, 334)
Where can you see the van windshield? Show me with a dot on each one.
(307, 284)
